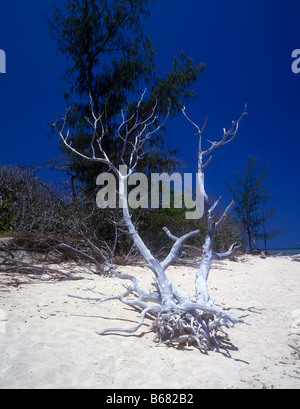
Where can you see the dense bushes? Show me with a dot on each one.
(151, 225)
(29, 203)
(6, 216)
(33, 206)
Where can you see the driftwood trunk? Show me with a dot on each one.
(176, 317)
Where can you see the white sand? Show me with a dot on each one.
(48, 339)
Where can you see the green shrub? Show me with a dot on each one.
(6, 216)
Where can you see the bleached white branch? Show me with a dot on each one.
(225, 214)
(223, 256)
(228, 136)
(176, 250)
(202, 293)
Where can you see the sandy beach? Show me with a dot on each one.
(48, 340)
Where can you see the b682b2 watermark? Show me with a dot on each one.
(2, 62)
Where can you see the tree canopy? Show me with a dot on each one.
(112, 61)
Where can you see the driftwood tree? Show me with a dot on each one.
(177, 318)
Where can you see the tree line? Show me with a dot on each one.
(29, 204)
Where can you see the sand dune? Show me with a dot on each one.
(48, 340)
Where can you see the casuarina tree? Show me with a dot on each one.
(112, 60)
(251, 194)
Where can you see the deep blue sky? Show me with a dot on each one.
(247, 47)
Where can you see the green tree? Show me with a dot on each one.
(249, 195)
(252, 195)
(113, 61)
(6, 216)
(267, 230)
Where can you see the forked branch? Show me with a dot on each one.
(202, 275)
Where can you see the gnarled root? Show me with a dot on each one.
(190, 327)
(189, 324)
(186, 323)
